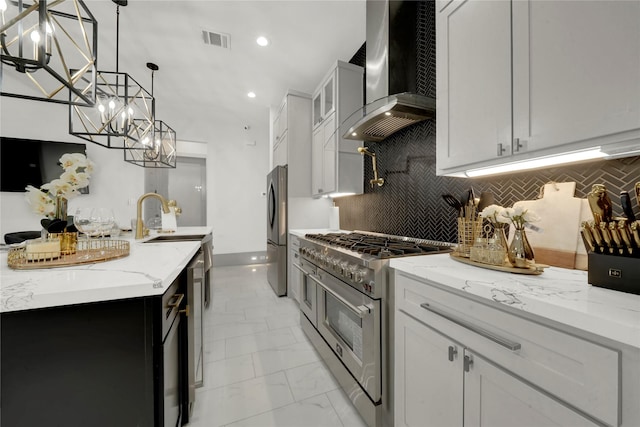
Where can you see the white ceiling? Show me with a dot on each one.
(201, 89)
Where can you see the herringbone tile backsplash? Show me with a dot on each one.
(410, 202)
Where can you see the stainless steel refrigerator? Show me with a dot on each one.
(277, 229)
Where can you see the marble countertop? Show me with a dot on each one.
(558, 294)
(149, 270)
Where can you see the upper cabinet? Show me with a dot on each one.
(291, 131)
(523, 79)
(336, 165)
(324, 100)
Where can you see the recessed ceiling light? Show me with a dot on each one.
(262, 41)
(251, 95)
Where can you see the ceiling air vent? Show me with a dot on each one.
(216, 39)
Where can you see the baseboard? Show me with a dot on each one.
(240, 258)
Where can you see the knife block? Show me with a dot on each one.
(620, 273)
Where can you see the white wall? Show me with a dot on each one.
(237, 168)
(113, 184)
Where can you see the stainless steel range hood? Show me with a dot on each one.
(391, 73)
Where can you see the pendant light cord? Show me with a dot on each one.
(117, 38)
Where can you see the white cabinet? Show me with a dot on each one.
(291, 137)
(428, 376)
(336, 165)
(324, 100)
(503, 369)
(523, 79)
(495, 397)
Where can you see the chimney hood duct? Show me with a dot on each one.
(391, 73)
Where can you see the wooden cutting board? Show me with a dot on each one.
(559, 242)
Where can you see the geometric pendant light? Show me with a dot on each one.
(157, 148)
(46, 49)
(122, 116)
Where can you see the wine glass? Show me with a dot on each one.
(82, 221)
(103, 219)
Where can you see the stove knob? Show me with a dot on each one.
(343, 268)
(351, 270)
(326, 260)
(359, 275)
(335, 264)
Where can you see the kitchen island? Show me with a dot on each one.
(552, 349)
(97, 344)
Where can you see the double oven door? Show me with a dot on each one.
(348, 320)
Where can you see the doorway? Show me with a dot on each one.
(187, 185)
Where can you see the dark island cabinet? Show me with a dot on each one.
(112, 363)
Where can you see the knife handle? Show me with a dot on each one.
(635, 231)
(606, 236)
(627, 208)
(597, 235)
(587, 238)
(615, 235)
(625, 235)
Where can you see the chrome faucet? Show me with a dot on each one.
(140, 230)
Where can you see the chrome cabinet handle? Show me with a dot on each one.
(518, 145)
(501, 150)
(453, 351)
(468, 361)
(507, 343)
(360, 311)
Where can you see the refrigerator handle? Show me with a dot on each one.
(272, 206)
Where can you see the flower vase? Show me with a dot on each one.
(500, 234)
(520, 251)
(61, 208)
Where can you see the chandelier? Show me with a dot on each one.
(122, 116)
(54, 45)
(157, 149)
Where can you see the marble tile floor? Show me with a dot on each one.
(260, 369)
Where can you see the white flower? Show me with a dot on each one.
(519, 216)
(40, 202)
(530, 216)
(58, 187)
(73, 161)
(77, 171)
(491, 212)
(75, 179)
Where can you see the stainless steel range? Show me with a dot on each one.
(344, 304)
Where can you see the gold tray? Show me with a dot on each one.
(87, 252)
(533, 269)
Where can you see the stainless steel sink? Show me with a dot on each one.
(175, 238)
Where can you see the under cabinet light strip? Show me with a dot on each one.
(540, 162)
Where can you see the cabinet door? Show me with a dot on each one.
(576, 70)
(317, 159)
(330, 155)
(317, 108)
(280, 155)
(428, 376)
(473, 81)
(329, 96)
(496, 398)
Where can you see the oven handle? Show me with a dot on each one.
(360, 311)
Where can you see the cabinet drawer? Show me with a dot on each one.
(295, 242)
(581, 373)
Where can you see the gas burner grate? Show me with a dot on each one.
(379, 246)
